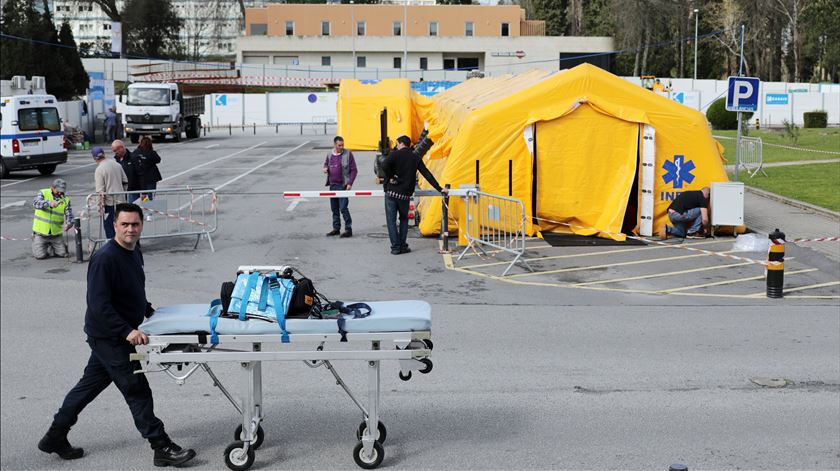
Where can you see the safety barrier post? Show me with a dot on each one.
(255, 129)
(776, 267)
(301, 129)
(325, 128)
(77, 223)
(444, 219)
(276, 128)
(230, 129)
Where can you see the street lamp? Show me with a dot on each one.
(696, 24)
(353, 31)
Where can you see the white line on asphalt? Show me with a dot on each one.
(212, 161)
(294, 203)
(16, 203)
(244, 174)
(54, 176)
(211, 146)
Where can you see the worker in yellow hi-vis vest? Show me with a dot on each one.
(52, 214)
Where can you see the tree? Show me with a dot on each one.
(151, 29)
(78, 76)
(823, 39)
(553, 12)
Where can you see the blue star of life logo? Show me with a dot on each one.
(678, 171)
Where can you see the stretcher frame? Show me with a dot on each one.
(193, 351)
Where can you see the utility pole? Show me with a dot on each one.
(696, 24)
(738, 144)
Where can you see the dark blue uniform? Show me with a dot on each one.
(116, 305)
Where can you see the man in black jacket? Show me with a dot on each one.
(116, 306)
(401, 167)
(689, 214)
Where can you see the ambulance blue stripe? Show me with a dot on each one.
(31, 134)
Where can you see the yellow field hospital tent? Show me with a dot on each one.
(585, 150)
(359, 105)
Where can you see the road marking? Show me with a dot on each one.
(658, 275)
(16, 203)
(19, 181)
(606, 252)
(738, 280)
(211, 146)
(800, 288)
(49, 176)
(609, 265)
(213, 161)
(294, 203)
(243, 174)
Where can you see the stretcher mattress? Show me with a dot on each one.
(385, 316)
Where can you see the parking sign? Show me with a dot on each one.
(742, 94)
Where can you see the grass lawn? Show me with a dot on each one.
(822, 139)
(817, 184)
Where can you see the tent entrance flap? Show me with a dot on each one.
(586, 163)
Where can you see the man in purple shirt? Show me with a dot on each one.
(340, 167)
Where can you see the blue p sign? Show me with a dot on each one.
(742, 94)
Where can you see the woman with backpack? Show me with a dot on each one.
(148, 159)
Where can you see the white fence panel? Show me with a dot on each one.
(302, 107)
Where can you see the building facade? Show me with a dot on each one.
(381, 41)
(210, 27)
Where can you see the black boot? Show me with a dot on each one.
(55, 441)
(171, 454)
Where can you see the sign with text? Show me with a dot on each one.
(742, 94)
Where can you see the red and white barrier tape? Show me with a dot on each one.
(817, 239)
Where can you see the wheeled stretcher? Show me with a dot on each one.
(180, 344)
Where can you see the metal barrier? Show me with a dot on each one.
(497, 222)
(751, 155)
(169, 212)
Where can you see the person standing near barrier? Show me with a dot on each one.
(130, 166)
(401, 167)
(340, 167)
(109, 178)
(116, 306)
(110, 124)
(52, 211)
(147, 158)
(689, 214)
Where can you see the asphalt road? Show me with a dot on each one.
(525, 376)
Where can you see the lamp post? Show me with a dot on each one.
(353, 31)
(696, 24)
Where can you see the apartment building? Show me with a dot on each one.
(406, 39)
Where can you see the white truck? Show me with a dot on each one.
(160, 109)
(31, 134)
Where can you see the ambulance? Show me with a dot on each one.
(31, 135)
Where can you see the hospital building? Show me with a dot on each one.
(375, 41)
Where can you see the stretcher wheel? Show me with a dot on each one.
(405, 377)
(381, 433)
(372, 461)
(428, 367)
(237, 435)
(236, 458)
(428, 343)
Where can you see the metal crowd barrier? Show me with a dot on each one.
(497, 222)
(752, 159)
(169, 212)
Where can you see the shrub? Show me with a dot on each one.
(791, 131)
(816, 119)
(720, 118)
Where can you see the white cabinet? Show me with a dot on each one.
(727, 204)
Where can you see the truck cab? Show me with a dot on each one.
(159, 109)
(31, 135)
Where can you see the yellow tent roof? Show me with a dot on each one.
(587, 124)
(359, 105)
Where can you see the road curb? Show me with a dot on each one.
(825, 212)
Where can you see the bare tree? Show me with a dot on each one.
(792, 9)
(204, 25)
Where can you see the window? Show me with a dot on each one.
(505, 29)
(325, 28)
(259, 29)
(361, 61)
(468, 28)
(326, 61)
(449, 64)
(398, 62)
(360, 28)
(106, 26)
(424, 63)
(290, 28)
(36, 119)
(433, 28)
(397, 28)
